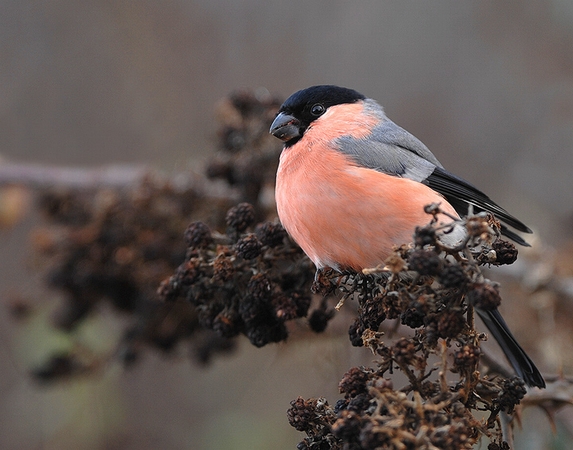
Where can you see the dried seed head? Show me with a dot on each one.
(467, 356)
(263, 333)
(227, 323)
(424, 236)
(348, 425)
(511, 394)
(404, 351)
(271, 233)
(198, 235)
(302, 413)
(412, 317)
(248, 247)
(240, 217)
(484, 296)
(223, 269)
(505, 251)
(450, 324)
(354, 382)
(318, 319)
(425, 262)
(355, 332)
(453, 276)
(188, 272)
(259, 287)
(285, 307)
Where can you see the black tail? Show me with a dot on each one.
(519, 360)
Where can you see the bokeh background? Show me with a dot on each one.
(487, 85)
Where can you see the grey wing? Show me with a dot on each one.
(392, 150)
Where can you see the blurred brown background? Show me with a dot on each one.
(488, 86)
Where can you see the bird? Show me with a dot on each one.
(351, 184)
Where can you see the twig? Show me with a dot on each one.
(36, 175)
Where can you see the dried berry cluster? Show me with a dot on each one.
(430, 288)
(248, 155)
(251, 280)
(117, 245)
(374, 415)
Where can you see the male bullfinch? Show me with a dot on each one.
(351, 184)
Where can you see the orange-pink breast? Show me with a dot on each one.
(343, 215)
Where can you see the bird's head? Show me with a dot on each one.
(305, 106)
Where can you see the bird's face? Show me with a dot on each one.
(302, 108)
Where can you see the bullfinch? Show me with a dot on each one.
(351, 184)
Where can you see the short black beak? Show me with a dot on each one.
(285, 127)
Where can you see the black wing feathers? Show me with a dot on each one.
(519, 360)
(460, 194)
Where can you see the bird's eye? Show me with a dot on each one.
(317, 110)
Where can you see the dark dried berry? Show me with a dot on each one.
(271, 233)
(198, 235)
(302, 413)
(354, 382)
(374, 436)
(453, 436)
(248, 247)
(412, 317)
(285, 307)
(347, 426)
(341, 405)
(302, 301)
(355, 332)
(188, 273)
(318, 319)
(425, 262)
(207, 314)
(227, 323)
(505, 251)
(484, 296)
(467, 356)
(424, 236)
(511, 394)
(240, 217)
(450, 324)
(259, 287)
(453, 276)
(254, 311)
(392, 306)
(223, 269)
(372, 313)
(404, 351)
(262, 334)
(360, 403)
